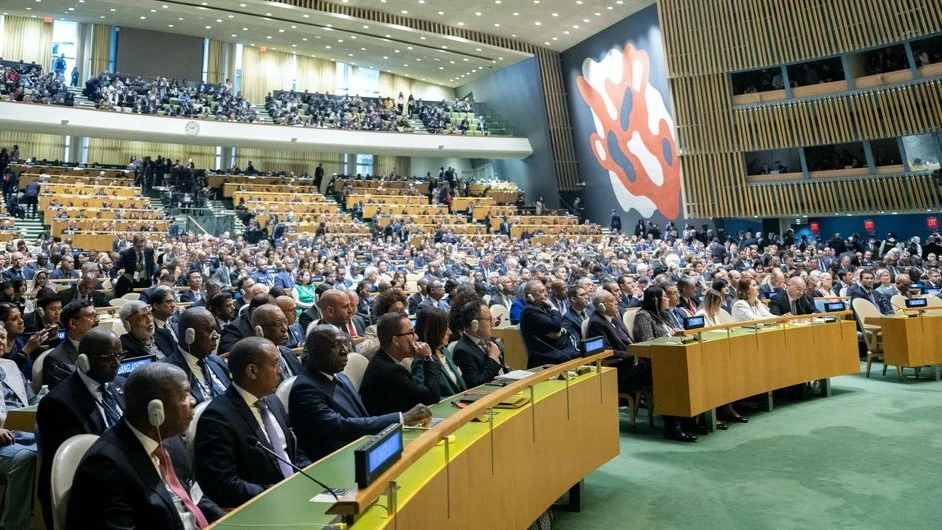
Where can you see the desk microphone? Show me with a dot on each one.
(903, 309)
(556, 350)
(257, 443)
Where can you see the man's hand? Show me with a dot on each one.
(494, 352)
(554, 335)
(420, 349)
(417, 415)
(6, 437)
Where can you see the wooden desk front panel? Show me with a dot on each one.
(915, 341)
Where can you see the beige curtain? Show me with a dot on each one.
(391, 85)
(111, 151)
(386, 164)
(27, 39)
(299, 162)
(215, 73)
(316, 75)
(48, 146)
(101, 50)
(264, 72)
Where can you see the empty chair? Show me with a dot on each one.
(117, 302)
(722, 317)
(356, 366)
(873, 335)
(284, 390)
(898, 302)
(132, 296)
(64, 465)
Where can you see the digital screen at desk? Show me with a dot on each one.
(129, 365)
(592, 346)
(694, 322)
(916, 302)
(931, 292)
(376, 455)
(916, 286)
(830, 307)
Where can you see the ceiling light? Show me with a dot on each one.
(233, 34)
(143, 17)
(477, 13)
(152, 10)
(328, 47)
(465, 59)
(366, 27)
(461, 23)
(566, 32)
(353, 37)
(231, 16)
(245, 29)
(441, 12)
(404, 12)
(362, 49)
(516, 14)
(304, 39)
(267, 36)
(555, 14)
(209, 27)
(538, 23)
(219, 20)
(281, 30)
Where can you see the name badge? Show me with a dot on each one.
(196, 493)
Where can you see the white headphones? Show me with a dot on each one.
(474, 325)
(189, 336)
(155, 412)
(81, 362)
(259, 332)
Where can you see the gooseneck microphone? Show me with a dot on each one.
(257, 443)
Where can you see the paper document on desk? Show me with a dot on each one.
(515, 375)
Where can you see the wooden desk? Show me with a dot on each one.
(92, 202)
(911, 342)
(103, 241)
(217, 181)
(498, 474)
(117, 192)
(398, 200)
(230, 188)
(460, 204)
(515, 354)
(371, 210)
(690, 379)
(59, 226)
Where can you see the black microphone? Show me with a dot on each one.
(260, 445)
(556, 350)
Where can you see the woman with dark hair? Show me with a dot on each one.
(431, 325)
(40, 281)
(652, 321)
(391, 301)
(748, 306)
(18, 296)
(20, 348)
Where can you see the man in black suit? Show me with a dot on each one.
(318, 177)
(326, 412)
(126, 478)
(793, 301)
(222, 306)
(289, 308)
(577, 314)
(87, 288)
(138, 321)
(230, 466)
(864, 289)
(194, 294)
(387, 385)
(241, 326)
(418, 298)
(541, 326)
(605, 322)
(476, 354)
(138, 262)
(78, 318)
(163, 308)
(270, 320)
(207, 373)
(84, 403)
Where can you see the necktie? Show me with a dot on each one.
(794, 306)
(582, 315)
(112, 412)
(352, 329)
(351, 395)
(273, 437)
(207, 377)
(140, 262)
(170, 478)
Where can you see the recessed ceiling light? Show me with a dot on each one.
(516, 14)
(465, 59)
(496, 25)
(362, 49)
(366, 27)
(353, 37)
(404, 12)
(209, 27)
(304, 39)
(245, 29)
(477, 13)
(219, 21)
(267, 36)
(328, 47)
(294, 45)
(441, 12)
(143, 17)
(230, 16)
(461, 23)
(233, 34)
(555, 14)
(281, 30)
(538, 23)
(152, 10)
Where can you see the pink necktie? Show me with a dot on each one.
(170, 477)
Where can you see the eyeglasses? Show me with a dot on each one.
(410, 332)
(114, 357)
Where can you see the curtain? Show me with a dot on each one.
(299, 162)
(48, 146)
(101, 50)
(111, 151)
(27, 39)
(215, 74)
(391, 85)
(386, 164)
(264, 72)
(316, 75)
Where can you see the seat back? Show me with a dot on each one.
(722, 317)
(629, 320)
(933, 301)
(898, 302)
(36, 378)
(117, 302)
(284, 390)
(864, 309)
(356, 366)
(132, 296)
(500, 314)
(190, 435)
(64, 464)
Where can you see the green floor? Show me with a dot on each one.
(865, 458)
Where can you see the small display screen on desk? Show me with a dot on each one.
(916, 302)
(592, 345)
(129, 365)
(931, 292)
(376, 455)
(695, 322)
(830, 307)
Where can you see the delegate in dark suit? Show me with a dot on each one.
(117, 470)
(388, 387)
(216, 366)
(68, 410)
(128, 261)
(229, 467)
(572, 321)
(59, 363)
(874, 296)
(163, 339)
(476, 366)
(327, 414)
(779, 305)
(536, 323)
(98, 298)
(239, 328)
(291, 360)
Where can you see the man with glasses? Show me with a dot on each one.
(77, 319)
(387, 385)
(84, 403)
(271, 321)
(139, 341)
(326, 412)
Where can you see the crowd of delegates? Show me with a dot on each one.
(436, 117)
(334, 112)
(173, 98)
(27, 83)
(254, 307)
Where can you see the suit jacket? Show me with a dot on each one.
(882, 303)
(535, 323)
(388, 386)
(415, 300)
(190, 296)
(117, 486)
(239, 328)
(295, 335)
(98, 298)
(476, 366)
(216, 365)
(328, 414)
(229, 467)
(613, 336)
(59, 363)
(15, 381)
(224, 275)
(309, 315)
(164, 340)
(136, 348)
(68, 410)
(573, 323)
(294, 364)
(128, 261)
(446, 385)
(779, 305)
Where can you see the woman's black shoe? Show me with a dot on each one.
(679, 436)
(722, 425)
(738, 419)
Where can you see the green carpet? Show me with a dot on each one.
(864, 458)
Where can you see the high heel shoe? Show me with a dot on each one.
(738, 419)
(678, 435)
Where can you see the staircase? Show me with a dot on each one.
(417, 126)
(31, 228)
(219, 208)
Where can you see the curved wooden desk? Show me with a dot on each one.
(499, 473)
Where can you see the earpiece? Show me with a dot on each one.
(155, 412)
(81, 362)
(475, 325)
(40, 311)
(189, 336)
(259, 332)
(600, 308)
(530, 298)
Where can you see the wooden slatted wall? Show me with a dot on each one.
(706, 40)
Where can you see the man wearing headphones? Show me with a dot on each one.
(139, 340)
(476, 354)
(138, 474)
(269, 322)
(162, 304)
(229, 464)
(87, 402)
(207, 373)
(541, 326)
(605, 322)
(46, 315)
(241, 327)
(77, 318)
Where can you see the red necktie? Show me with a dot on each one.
(170, 478)
(352, 329)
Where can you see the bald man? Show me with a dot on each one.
(289, 307)
(207, 373)
(336, 310)
(271, 321)
(793, 301)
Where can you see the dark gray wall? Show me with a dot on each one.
(154, 53)
(516, 95)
